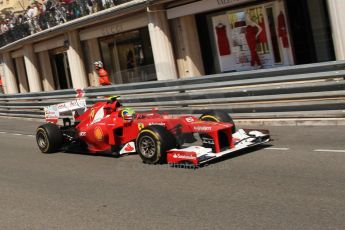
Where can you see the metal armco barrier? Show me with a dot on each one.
(302, 91)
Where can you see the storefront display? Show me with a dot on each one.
(246, 39)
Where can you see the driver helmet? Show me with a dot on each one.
(128, 113)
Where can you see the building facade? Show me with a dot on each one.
(12, 6)
(161, 40)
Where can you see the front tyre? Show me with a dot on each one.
(153, 142)
(219, 116)
(49, 138)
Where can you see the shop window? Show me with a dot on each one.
(311, 31)
(128, 57)
(250, 38)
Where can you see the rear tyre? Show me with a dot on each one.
(152, 144)
(49, 138)
(219, 116)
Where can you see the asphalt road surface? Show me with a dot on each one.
(297, 183)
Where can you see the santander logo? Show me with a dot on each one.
(129, 148)
(181, 156)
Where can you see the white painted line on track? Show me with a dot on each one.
(330, 150)
(280, 149)
(17, 134)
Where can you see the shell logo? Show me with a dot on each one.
(98, 133)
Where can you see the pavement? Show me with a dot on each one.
(296, 182)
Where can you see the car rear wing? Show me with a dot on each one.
(53, 112)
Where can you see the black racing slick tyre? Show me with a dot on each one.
(49, 138)
(218, 116)
(153, 142)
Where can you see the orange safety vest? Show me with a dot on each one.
(103, 77)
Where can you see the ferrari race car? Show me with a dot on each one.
(108, 127)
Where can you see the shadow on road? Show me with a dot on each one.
(185, 165)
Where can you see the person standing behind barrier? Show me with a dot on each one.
(90, 6)
(99, 5)
(36, 14)
(102, 73)
(32, 13)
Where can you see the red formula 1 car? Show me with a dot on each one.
(107, 127)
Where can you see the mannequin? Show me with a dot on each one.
(253, 30)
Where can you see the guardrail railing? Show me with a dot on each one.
(303, 91)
